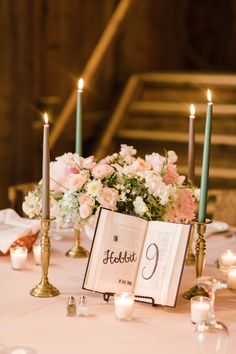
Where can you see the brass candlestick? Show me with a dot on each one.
(190, 257)
(44, 288)
(77, 251)
(199, 261)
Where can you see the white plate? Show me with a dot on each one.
(217, 226)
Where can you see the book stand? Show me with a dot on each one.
(106, 297)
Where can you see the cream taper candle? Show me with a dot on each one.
(191, 144)
(78, 138)
(45, 170)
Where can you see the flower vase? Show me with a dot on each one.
(77, 251)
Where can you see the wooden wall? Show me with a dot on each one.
(44, 45)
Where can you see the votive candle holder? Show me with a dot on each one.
(232, 278)
(19, 257)
(124, 303)
(200, 306)
(37, 253)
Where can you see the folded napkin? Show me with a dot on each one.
(12, 227)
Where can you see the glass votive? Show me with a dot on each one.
(124, 303)
(232, 278)
(200, 306)
(37, 253)
(18, 257)
(227, 259)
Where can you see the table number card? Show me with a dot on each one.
(135, 255)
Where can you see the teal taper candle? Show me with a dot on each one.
(205, 161)
(78, 138)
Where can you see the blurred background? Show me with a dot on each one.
(122, 47)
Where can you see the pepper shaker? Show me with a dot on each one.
(71, 307)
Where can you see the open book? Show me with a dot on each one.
(130, 254)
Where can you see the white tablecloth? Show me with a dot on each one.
(42, 325)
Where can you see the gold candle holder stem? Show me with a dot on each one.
(200, 256)
(190, 257)
(77, 251)
(44, 288)
(200, 249)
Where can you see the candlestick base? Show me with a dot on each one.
(44, 289)
(77, 251)
(195, 291)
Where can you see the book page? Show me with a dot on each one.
(158, 259)
(115, 253)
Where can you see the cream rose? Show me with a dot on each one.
(108, 197)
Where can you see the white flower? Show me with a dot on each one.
(197, 193)
(158, 188)
(123, 196)
(172, 157)
(94, 187)
(32, 205)
(126, 150)
(55, 210)
(140, 207)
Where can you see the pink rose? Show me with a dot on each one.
(170, 176)
(85, 198)
(76, 182)
(183, 208)
(73, 170)
(108, 197)
(89, 163)
(102, 170)
(85, 210)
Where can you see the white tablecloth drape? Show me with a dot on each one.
(42, 325)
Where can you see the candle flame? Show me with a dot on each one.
(45, 117)
(192, 110)
(209, 96)
(80, 84)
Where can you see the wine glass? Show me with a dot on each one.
(212, 335)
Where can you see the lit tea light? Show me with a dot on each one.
(228, 259)
(200, 306)
(232, 278)
(18, 257)
(37, 254)
(124, 303)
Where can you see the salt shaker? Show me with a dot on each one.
(71, 306)
(82, 308)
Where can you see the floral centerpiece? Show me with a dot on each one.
(150, 188)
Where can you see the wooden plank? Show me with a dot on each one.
(115, 120)
(190, 78)
(182, 107)
(93, 63)
(152, 135)
(215, 172)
